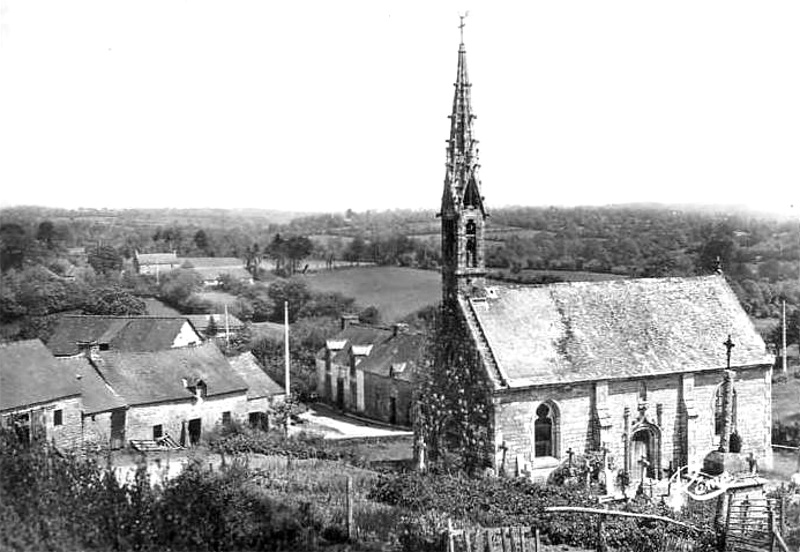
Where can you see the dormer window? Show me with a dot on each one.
(199, 389)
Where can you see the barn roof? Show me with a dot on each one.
(96, 394)
(259, 384)
(30, 374)
(121, 333)
(583, 331)
(157, 376)
(398, 356)
(156, 258)
(201, 321)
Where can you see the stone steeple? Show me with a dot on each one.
(462, 212)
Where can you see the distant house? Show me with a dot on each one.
(213, 268)
(154, 263)
(183, 392)
(223, 322)
(121, 333)
(263, 393)
(369, 371)
(38, 399)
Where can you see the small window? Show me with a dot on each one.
(58, 417)
(158, 432)
(226, 418)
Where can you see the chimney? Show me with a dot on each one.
(90, 349)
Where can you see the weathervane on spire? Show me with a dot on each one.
(462, 24)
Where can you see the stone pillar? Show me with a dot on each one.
(727, 411)
(626, 439)
(689, 439)
(601, 411)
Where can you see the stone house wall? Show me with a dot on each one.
(378, 392)
(174, 416)
(41, 421)
(97, 429)
(187, 336)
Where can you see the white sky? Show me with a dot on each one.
(328, 105)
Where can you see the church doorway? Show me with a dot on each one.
(644, 460)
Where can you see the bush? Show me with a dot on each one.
(504, 502)
(55, 502)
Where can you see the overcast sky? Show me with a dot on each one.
(329, 105)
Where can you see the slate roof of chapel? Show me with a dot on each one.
(157, 376)
(121, 333)
(584, 331)
(30, 374)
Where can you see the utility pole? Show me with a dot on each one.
(286, 346)
(783, 337)
(227, 327)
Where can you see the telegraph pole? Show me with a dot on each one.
(286, 346)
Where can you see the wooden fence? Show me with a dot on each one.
(495, 539)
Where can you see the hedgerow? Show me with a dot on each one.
(513, 502)
(299, 447)
(53, 502)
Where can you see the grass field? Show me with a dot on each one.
(565, 275)
(395, 291)
(219, 297)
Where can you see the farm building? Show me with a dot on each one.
(370, 371)
(102, 409)
(214, 269)
(121, 333)
(155, 263)
(38, 399)
(657, 372)
(183, 392)
(263, 393)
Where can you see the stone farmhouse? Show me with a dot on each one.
(38, 399)
(103, 409)
(211, 269)
(155, 263)
(130, 384)
(121, 333)
(183, 392)
(631, 367)
(370, 371)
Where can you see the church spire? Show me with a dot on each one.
(462, 152)
(462, 210)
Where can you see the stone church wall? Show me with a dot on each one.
(626, 405)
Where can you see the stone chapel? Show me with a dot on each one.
(637, 368)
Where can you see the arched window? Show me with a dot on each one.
(544, 431)
(472, 244)
(719, 411)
